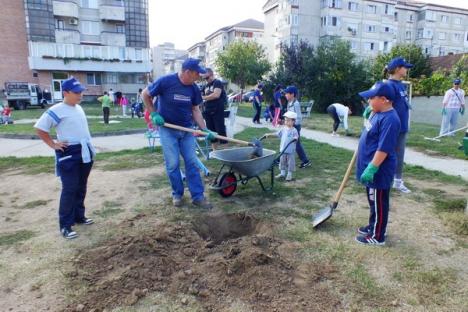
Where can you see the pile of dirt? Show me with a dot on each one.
(218, 259)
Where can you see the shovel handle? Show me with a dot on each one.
(199, 132)
(345, 178)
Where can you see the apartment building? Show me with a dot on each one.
(103, 43)
(371, 26)
(164, 57)
(248, 30)
(198, 51)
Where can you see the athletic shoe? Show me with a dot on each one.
(86, 221)
(289, 178)
(280, 176)
(401, 187)
(305, 164)
(176, 201)
(68, 233)
(202, 203)
(364, 230)
(368, 240)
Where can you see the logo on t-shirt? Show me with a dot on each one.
(181, 97)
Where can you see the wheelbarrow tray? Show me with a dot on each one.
(241, 161)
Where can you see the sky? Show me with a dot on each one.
(186, 22)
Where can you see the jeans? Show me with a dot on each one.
(175, 143)
(449, 120)
(258, 110)
(105, 113)
(400, 152)
(331, 110)
(299, 149)
(74, 175)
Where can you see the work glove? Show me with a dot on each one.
(210, 135)
(157, 119)
(444, 111)
(367, 112)
(462, 110)
(368, 175)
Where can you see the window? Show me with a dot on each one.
(59, 24)
(335, 21)
(93, 79)
(88, 51)
(370, 46)
(111, 78)
(90, 28)
(295, 19)
(420, 33)
(120, 28)
(457, 37)
(408, 35)
(370, 28)
(352, 28)
(389, 9)
(371, 9)
(395, 16)
(444, 18)
(122, 53)
(428, 33)
(89, 4)
(431, 16)
(138, 54)
(388, 29)
(353, 6)
(385, 46)
(457, 21)
(410, 18)
(334, 4)
(442, 36)
(354, 45)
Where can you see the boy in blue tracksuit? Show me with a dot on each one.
(377, 160)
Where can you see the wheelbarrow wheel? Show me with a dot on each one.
(227, 184)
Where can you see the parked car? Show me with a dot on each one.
(234, 97)
(248, 96)
(20, 95)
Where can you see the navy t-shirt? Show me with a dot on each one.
(401, 104)
(215, 105)
(257, 94)
(277, 97)
(379, 134)
(175, 100)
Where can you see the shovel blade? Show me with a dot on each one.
(323, 215)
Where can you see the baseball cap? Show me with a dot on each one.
(194, 65)
(291, 89)
(291, 115)
(398, 62)
(73, 85)
(457, 81)
(380, 88)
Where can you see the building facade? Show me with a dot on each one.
(248, 30)
(198, 51)
(163, 55)
(103, 43)
(370, 26)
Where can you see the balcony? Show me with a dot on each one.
(67, 36)
(108, 12)
(113, 39)
(68, 9)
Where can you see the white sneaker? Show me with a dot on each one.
(401, 187)
(280, 176)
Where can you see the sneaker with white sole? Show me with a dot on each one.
(401, 187)
(176, 201)
(368, 240)
(68, 233)
(202, 203)
(305, 164)
(85, 221)
(364, 230)
(280, 176)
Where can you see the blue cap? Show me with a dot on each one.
(194, 65)
(457, 81)
(73, 85)
(291, 89)
(380, 88)
(398, 62)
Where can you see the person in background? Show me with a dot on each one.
(377, 160)
(106, 103)
(453, 104)
(257, 100)
(179, 100)
(112, 96)
(124, 104)
(6, 115)
(339, 113)
(396, 70)
(278, 102)
(293, 105)
(74, 154)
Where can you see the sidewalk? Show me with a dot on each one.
(28, 148)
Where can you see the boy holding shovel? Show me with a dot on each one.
(377, 160)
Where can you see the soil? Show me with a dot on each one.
(218, 259)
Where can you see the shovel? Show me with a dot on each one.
(256, 144)
(325, 213)
(445, 134)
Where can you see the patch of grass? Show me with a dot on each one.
(27, 165)
(109, 209)
(430, 284)
(363, 282)
(35, 203)
(8, 239)
(128, 159)
(449, 205)
(301, 231)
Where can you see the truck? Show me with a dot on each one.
(20, 95)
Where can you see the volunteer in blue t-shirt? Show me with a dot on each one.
(396, 70)
(257, 99)
(377, 160)
(179, 100)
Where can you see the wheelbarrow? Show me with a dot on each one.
(238, 166)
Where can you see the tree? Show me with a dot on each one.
(244, 63)
(412, 53)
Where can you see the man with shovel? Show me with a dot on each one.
(179, 101)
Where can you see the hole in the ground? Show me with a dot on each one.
(222, 227)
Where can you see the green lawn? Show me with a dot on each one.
(448, 146)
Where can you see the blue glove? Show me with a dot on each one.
(367, 112)
(368, 175)
(462, 110)
(210, 135)
(157, 119)
(444, 111)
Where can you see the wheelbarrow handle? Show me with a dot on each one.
(199, 132)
